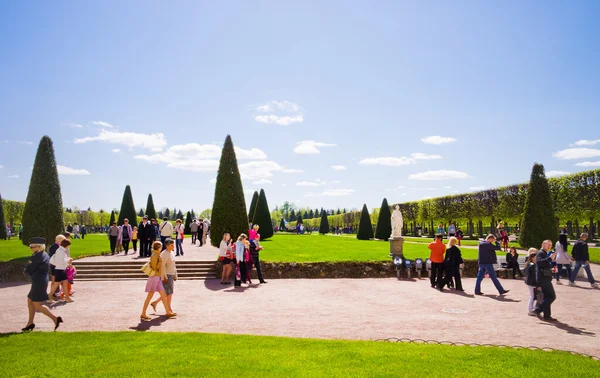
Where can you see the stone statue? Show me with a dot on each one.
(397, 222)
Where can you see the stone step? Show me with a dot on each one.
(139, 263)
(144, 278)
(108, 276)
(81, 271)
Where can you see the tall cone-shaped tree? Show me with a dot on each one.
(43, 212)
(188, 221)
(112, 217)
(263, 217)
(324, 226)
(2, 221)
(384, 222)
(282, 225)
(252, 211)
(127, 208)
(539, 222)
(365, 227)
(229, 206)
(150, 210)
(299, 220)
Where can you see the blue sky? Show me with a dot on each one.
(332, 104)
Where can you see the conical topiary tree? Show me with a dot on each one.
(263, 217)
(150, 210)
(539, 222)
(141, 213)
(252, 211)
(188, 221)
(2, 221)
(324, 226)
(229, 206)
(43, 212)
(365, 227)
(127, 208)
(299, 220)
(112, 218)
(384, 222)
(282, 225)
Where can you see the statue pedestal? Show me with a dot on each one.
(396, 246)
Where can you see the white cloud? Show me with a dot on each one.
(279, 120)
(317, 182)
(62, 170)
(153, 142)
(436, 139)
(116, 151)
(212, 181)
(585, 142)
(336, 182)
(438, 175)
(577, 153)
(402, 194)
(262, 182)
(103, 124)
(477, 188)
(273, 106)
(332, 193)
(309, 147)
(256, 170)
(13, 176)
(387, 161)
(421, 189)
(338, 167)
(288, 170)
(74, 125)
(588, 164)
(422, 156)
(447, 187)
(556, 173)
(25, 142)
(283, 185)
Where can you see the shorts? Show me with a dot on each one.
(169, 285)
(60, 275)
(226, 261)
(451, 235)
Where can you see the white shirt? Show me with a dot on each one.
(166, 229)
(168, 264)
(60, 259)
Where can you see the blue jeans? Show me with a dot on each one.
(178, 243)
(162, 240)
(489, 268)
(587, 269)
(559, 270)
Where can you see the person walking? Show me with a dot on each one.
(113, 236)
(205, 231)
(452, 263)
(194, 230)
(531, 280)
(125, 234)
(581, 256)
(166, 231)
(20, 231)
(255, 248)
(437, 249)
(154, 283)
(168, 275)
(147, 236)
(200, 232)
(134, 239)
(76, 231)
(225, 256)
(240, 256)
(179, 232)
(51, 251)
(544, 269)
(61, 261)
(512, 262)
(37, 270)
(486, 259)
(562, 256)
(83, 231)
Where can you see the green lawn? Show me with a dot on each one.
(92, 245)
(463, 242)
(153, 354)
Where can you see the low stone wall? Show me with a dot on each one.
(11, 271)
(374, 269)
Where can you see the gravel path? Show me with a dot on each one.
(331, 309)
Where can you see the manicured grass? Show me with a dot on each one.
(463, 242)
(92, 245)
(118, 354)
(315, 247)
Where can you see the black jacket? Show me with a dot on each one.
(580, 251)
(146, 232)
(543, 265)
(487, 253)
(530, 275)
(512, 260)
(453, 257)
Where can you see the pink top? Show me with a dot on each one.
(70, 272)
(252, 234)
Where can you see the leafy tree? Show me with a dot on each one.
(324, 226)
(229, 206)
(174, 214)
(252, 211)
(2, 220)
(293, 216)
(384, 223)
(179, 215)
(365, 227)
(127, 208)
(112, 218)
(263, 217)
(205, 214)
(43, 212)
(299, 221)
(539, 222)
(141, 213)
(188, 221)
(150, 210)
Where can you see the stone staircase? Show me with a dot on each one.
(131, 270)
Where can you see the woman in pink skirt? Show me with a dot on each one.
(154, 284)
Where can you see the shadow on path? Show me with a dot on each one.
(460, 293)
(500, 298)
(5, 285)
(570, 329)
(146, 325)
(216, 285)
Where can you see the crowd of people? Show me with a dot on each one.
(241, 256)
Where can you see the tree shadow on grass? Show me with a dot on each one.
(570, 329)
(9, 334)
(144, 326)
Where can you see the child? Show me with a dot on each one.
(71, 272)
(134, 239)
(531, 281)
(504, 238)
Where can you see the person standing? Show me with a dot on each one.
(168, 275)
(440, 230)
(37, 269)
(225, 258)
(20, 231)
(69, 228)
(147, 236)
(544, 268)
(240, 255)
(200, 232)
(451, 230)
(179, 230)
(194, 230)
(512, 262)
(166, 231)
(459, 235)
(562, 256)
(205, 231)
(76, 231)
(531, 280)
(437, 249)
(134, 239)
(113, 236)
(83, 231)
(125, 234)
(255, 248)
(486, 259)
(452, 263)
(581, 256)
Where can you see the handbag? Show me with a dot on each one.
(147, 269)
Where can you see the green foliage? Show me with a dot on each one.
(150, 210)
(282, 225)
(252, 211)
(188, 221)
(43, 212)
(3, 234)
(365, 227)
(539, 222)
(299, 221)
(263, 217)
(384, 223)
(229, 206)
(141, 213)
(13, 211)
(112, 218)
(127, 208)
(324, 226)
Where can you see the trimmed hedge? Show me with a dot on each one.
(252, 211)
(539, 222)
(384, 223)
(324, 226)
(150, 210)
(3, 233)
(127, 208)
(263, 217)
